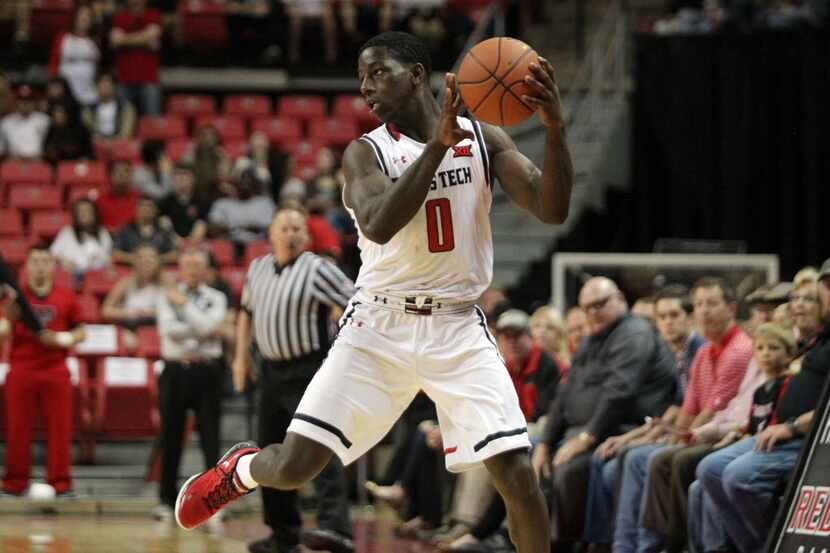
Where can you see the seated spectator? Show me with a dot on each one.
(75, 56)
(84, 244)
(210, 164)
(152, 177)
(246, 216)
(22, 132)
(132, 301)
(644, 307)
(805, 310)
(136, 39)
(117, 205)
(548, 331)
(302, 11)
(324, 239)
(58, 92)
(109, 117)
(67, 139)
(270, 165)
(6, 94)
(576, 324)
(186, 216)
(147, 228)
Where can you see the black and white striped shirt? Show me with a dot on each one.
(290, 305)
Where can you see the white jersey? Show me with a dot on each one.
(446, 250)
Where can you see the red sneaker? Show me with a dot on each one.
(205, 494)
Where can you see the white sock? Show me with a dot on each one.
(243, 471)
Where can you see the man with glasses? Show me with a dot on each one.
(622, 372)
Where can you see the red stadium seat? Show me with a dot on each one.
(229, 128)
(47, 224)
(125, 150)
(332, 130)
(100, 281)
(302, 107)
(281, 131)
(90, 308)
(176, 149)
(247, 106)
(191, 105)
(3, 187)
(304, 169)
(161, 128)
(25, 172)
(89, 192)
(305, 151)
(203, 25)
(235, 277)
(32, 196)
(235, 149)
(256, 249)
(85, 172)
(222, 251)
(11, 223)
(126, 398)
(49, 17)
(353, 106)
(15, 250)
(149, 343)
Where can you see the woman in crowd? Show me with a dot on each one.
(548, 330)
(153, 177)
(75, 56)
(132, 302)
(210, 164)
(270, 166)
(67, 139)
(84, 244)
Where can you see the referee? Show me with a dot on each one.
(289, 298)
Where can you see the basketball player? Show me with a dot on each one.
(419, 188)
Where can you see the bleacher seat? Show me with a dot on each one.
(222, 251)
(90, 308)
(168, 127)
(281, 131)
(99, 282)
(247, 106)
(34, 196)
(79, 190)
(304, 107)
(235, 149)
(126, 403)
(125, 150)
(203, 25)
(47, 223)
(336, 131)
(25, 172)
(191, 105)
(235, 277)
(149, 343)
(256, 249)
(353, 106)
(176, 149)
(229, 128)
(3, 187)
(15, 250)
(48, 18)
(305, 151)
(82, 172)
(11, 223)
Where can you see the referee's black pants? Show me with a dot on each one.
(184, 386)
(282, 385)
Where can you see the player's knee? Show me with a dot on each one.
(516, 479)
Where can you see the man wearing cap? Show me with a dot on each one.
(620, 374)
(763, 301)
(22, 132)
(744, 479)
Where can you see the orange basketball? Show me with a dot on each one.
(491, 80)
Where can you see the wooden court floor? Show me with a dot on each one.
(78, 533)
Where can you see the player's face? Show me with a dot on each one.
(385, 83)
(288, 234)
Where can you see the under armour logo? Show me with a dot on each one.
(462, 151)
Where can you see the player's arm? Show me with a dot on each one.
(381, 208)
(546, 193)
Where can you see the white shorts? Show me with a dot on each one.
(383, 357)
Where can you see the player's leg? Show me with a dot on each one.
(57, 410)
(21, 404)
(527, 514)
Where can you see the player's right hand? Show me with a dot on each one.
(448, 132)
(541, 461)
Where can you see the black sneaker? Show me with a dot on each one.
(320, 539)
(271, 545)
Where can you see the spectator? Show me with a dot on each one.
(644, 307)
(22, 132)
(576, 323)
(136, 39)
(189, 315)
(39, 376)
(805, 311)
(270, 165)
(244, 217)
(324, 239)
(75, 56)
(132, 301)
(67, 139)
(58, 92)
(763, 301)
(299, 13)
(6, 94)
(84, 244)
(147, 228)
(186, 215)
(548, 331)
(622, 373)
(110, 117)
(210, 164)
(744, 480)
(117, 205)
(152, 177)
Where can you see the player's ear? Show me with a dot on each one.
(418, 73)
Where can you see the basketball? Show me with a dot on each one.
(491, 80)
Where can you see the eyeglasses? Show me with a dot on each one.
(597, 305)
(806, 298)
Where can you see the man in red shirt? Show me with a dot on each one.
(38, 376)
(117, 206)
(136, 39)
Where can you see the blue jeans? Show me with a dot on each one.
(743, 486)
(146, 97)
(706, 531)
(599, 515)
(629, 535)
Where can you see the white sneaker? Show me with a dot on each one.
(163, 513)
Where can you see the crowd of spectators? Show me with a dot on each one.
(707, 16)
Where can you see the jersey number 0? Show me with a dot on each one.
(439, 225)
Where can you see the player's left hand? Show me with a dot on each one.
(448, 132)
(545, 96)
